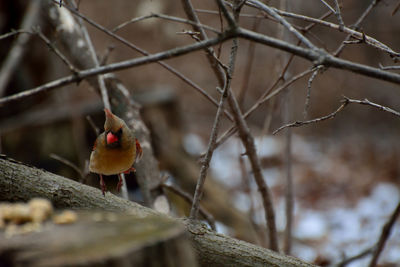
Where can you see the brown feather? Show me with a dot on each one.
(108, 159)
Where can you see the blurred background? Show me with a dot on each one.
(345, 170)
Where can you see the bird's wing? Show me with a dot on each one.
(139, 151)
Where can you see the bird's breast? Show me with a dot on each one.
(112, 161)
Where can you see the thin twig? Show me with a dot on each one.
(261, 101)
(289, 195)
(260, 234)
(339, 15)
(360, 255)
(345, 102)
(12, 33)
(69, 164)
(389, 67)
(210, 53)
(386, 230)
(19, 46)
(210, 149)
(131, 21)
(308, 96)
(249, 144)
(165, 17)
(301, 123)
(221, 22)
(229, 18)
(93, 125)
(319, 56)
(378, 247)
(372, 104)
(248, 66)
(189, 199)
(107, 53)
(53, 48)
(356, 26)
(214, 132)
(328, 6)
(251, 152)
(396, 9)
(287, 154)
(102, 85)
(272, 12)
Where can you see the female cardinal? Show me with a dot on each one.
(115, 150)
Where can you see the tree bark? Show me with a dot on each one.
(101, 239)
(20, 182)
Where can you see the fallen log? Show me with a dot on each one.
(20, 182)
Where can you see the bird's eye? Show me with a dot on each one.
(119, 131)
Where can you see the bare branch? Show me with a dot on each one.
(328, 6)
(12, 33)
(114, 67)
(319, 56)
(248, 67)
(369, 103)
(214, 132)
(131, 21)
(69, 164)
(356, 25)
(107, 53)
(301, 123)
(218, 71)
(210, 149)
(187, 197)
(63, 58)
(261, 101)
(360, 255)
(231, 21)
(387, 228)
(345, 102)
(339, 15)
(249, 144)
(93, 125)
(389, 67)
(272, 12)
(144, 52)
(352, 33)
(18, 48)
(100, 79)
(165, 17)
(396, 9)
(308, 97)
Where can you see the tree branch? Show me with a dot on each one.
(387, 228)
(346, 101)
(19, 46)
(19, 182)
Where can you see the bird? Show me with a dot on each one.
(115, 150)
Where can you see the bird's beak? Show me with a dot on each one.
(111, 138)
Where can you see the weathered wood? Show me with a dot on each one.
(22, 182)
(101, 239)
